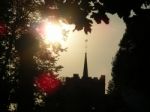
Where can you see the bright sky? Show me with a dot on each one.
(102, 47)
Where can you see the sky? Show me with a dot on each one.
(102, 46)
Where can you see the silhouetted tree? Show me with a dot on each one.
(83, 12)
(17, 18)
(130, 69)
(110, 87)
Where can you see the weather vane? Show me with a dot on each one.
(86, 46)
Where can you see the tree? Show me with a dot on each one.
(82, 12)
(130, 70)
(110, 87)
(17, 18)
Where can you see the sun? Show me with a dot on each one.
(53, 32)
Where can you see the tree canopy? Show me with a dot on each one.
(78, 12)
(83, 12)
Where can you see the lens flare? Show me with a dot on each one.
(2, 29)
(47, 83)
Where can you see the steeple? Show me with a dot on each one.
(85, 69)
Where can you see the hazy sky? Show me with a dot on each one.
(102, 47)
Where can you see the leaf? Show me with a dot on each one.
(87, 26)
(87, 30)
(105, 19)
(96, 17)
(78, 27)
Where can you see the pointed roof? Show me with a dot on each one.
(85, 69)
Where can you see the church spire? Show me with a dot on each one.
(85, 69)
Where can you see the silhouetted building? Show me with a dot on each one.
(86, 82)
(85, 94)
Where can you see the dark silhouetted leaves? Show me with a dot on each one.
(130, 68)
(87, 27)
(98, 18)
(76, 10)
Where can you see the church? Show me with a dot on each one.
(85, 94)
(95, 85)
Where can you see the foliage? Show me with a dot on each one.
(16, 19)
(110, 87)
(83, 12)
(128, 66)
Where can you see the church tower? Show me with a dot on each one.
(85, 69)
